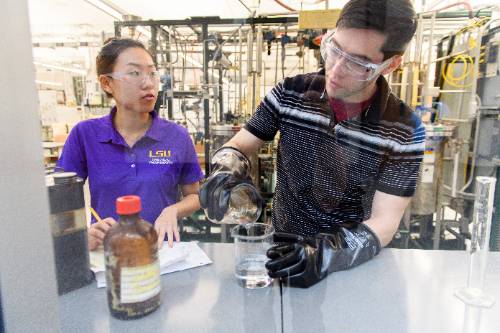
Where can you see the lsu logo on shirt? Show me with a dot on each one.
(160, 156)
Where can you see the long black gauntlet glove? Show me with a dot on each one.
(230, 167)
(304, 261)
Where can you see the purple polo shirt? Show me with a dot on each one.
(152, 169)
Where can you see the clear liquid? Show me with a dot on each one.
(251, 271)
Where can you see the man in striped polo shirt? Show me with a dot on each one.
(349, 150)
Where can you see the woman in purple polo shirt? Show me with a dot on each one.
(131, 150)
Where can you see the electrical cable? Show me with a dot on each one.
(285, 6)
(464, 3)
(313, 2)
(176, 46)
(276, 67)
(452, 80)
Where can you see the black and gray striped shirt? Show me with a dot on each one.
(328, 172)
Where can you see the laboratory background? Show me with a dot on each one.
(216, 60)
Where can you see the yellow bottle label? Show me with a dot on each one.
(138, 284)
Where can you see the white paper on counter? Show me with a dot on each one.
(183, 255)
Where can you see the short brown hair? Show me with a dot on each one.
(394, 18)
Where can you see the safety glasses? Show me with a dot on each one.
(136, 77)
(356, 67)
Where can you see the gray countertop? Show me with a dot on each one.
(202, 299)
(403, 291)
(399, 291)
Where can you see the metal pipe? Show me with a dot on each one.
(439, 219)
(251, 72)
(258, 49)
(454, 233)
(427, 100)
(206, 105)
(240, 74)
(212, 21)
(254, 90)
(456, 156)
(170, 95)
(118, 30)
(455, 120)
(414, 71)
(250, 52)
(263, 77)
(154, 45)
(221, 97)
(464, 195)
(464, 3)
(474, 149)
(235, 86)
(451, 55)
(276, 65)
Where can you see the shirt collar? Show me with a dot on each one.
(343, 110)
(378, 105)
(108, 132)
(155, 131)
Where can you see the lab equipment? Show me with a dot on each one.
(69, 231)
(244, 205)
(251, 242)
(132, 265)
(473, 293)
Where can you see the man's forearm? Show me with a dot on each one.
(245, 142)
(387, 211)
(384, 231)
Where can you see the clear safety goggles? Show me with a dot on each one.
(356, 67)
(136, 77)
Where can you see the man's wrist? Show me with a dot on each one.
(233, 160)
(372, 235)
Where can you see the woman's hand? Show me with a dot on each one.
(98, 231)
(166, 223)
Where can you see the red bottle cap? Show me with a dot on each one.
(128, 204)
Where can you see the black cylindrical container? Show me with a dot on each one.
(69, 231)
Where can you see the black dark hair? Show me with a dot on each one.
(394, 18)
(111, 50)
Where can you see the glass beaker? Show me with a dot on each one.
(251, 242)
(245, 206)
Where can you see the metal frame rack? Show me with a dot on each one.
(163, 27)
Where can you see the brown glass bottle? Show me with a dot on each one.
(132, 266)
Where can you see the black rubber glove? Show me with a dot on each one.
(304, 261)
(230, 167)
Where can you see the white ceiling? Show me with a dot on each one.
(80, 17)
(77, 20)
(55, 21)
(70, 17)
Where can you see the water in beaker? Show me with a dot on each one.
(251, 242)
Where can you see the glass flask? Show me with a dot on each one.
(251, 242)
(132, 266)
(245, 206)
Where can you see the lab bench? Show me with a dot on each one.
(398, 291)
